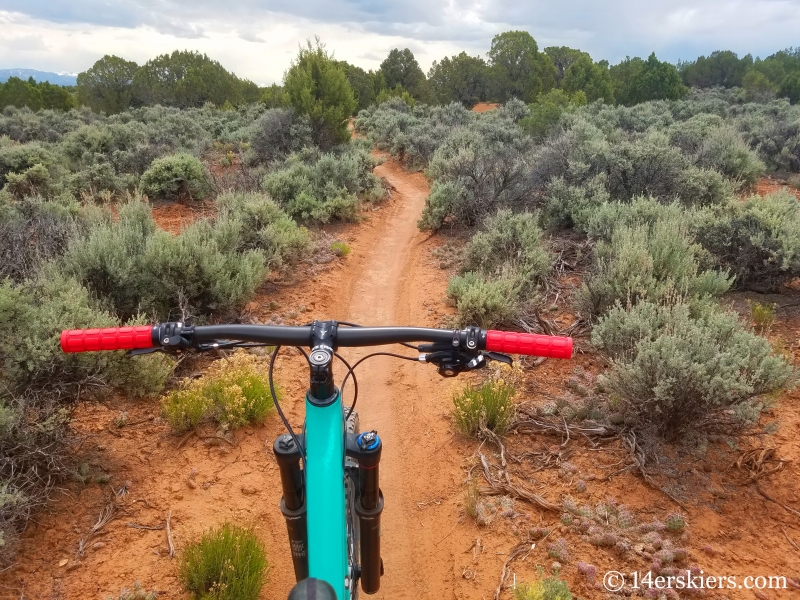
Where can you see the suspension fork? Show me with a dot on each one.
(366, 448)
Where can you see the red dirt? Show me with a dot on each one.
(485, 107)
(175, 216)
(391, 277)
(768, 185)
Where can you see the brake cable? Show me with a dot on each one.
(351, 371)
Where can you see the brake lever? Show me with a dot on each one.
(503, 358)
(141, 351)
(451, 363)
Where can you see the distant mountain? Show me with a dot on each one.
(56, 78)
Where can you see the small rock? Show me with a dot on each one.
(73, 565)
(63, 562)
(191, 483)
(98, 545)
(249, 490)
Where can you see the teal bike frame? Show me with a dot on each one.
(325, 495)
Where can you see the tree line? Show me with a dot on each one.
(514, 67)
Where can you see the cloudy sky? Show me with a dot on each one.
(258, 38)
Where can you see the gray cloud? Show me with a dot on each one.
(673, 28)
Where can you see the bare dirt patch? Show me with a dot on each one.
(176, 216)
(485, 107)
(768, 185)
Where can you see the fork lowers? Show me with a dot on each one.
(293, 503)
(369, 507)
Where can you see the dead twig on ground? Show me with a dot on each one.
(639, 458)
(107, 514)
(518, 550)
(203, 437)
(771, 499)
(486, 473)
(447, 534)
(502, 489)
(790, 540)
(169, 535)
(754, 461)
(184, 439)
(217, 437)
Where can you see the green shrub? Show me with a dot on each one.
(317, 87)
(277, 134)
(652, 263)
(673, 366)
(134, 268)
(174, 177)
(35, 313)
(33, 231)
(490, 404)
(723, 150)
(227, 563)
(510, 243)
(340, 249)
(234, 392)
(446, 203)
(757, 240)
(763, 316)
(326, 187)
(91, 181)
(477, 171)
(549, 588)
(480, 301)
(568, 206)
(642, 211)
(33, 446)
(32, 181)
(20, 158)
(259, 224)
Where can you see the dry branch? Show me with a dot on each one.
(169, 535)
(519, 549)
(790, 540)
(502, 489)
(771, 499)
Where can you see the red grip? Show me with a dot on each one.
(551, 346)
(113, 338)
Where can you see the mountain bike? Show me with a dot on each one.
(329, 471)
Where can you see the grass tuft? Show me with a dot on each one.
(234, 392)
(763, 316)
(490, 404)
(340, 249)
(228, 563)
(550, 588)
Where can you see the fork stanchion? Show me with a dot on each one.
(369, 508)
(293, 503)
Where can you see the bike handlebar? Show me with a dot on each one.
(146, 336)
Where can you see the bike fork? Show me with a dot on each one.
(366, 448)
(293, 503)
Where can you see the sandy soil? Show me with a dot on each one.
(175, 216)
(431, 549)
(767, 185)
(485, 107)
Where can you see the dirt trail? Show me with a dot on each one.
(406, 402)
